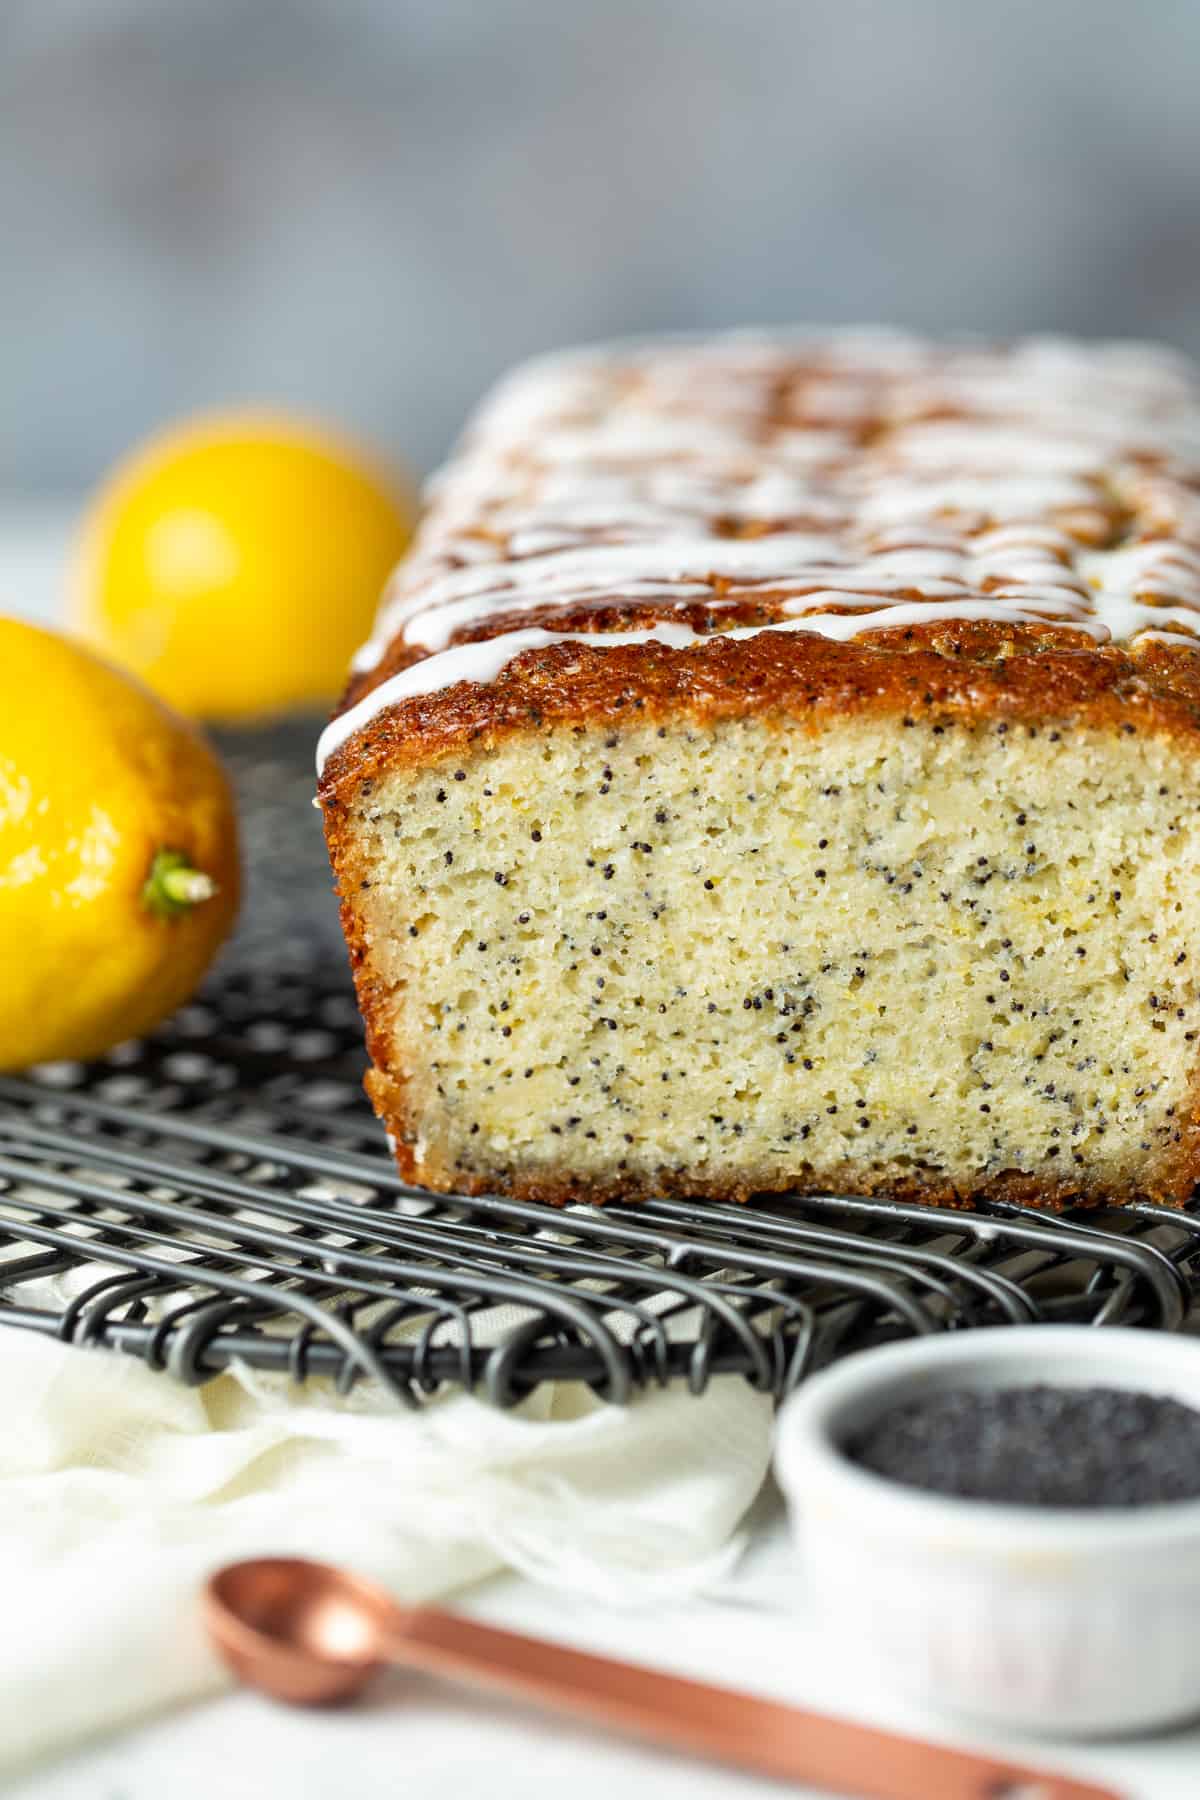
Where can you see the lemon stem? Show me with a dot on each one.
(173, 886)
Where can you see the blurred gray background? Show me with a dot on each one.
(368, 207)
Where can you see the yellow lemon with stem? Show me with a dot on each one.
(118, 853)
(234, 562)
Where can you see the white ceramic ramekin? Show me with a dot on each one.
(1077, 1622)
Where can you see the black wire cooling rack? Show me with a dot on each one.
(221, 1192)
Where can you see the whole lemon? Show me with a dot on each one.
(235, 562)
(118, 853)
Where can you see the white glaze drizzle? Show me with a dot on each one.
(609, 477)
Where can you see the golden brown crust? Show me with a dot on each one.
(968, 672)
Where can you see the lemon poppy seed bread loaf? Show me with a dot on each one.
(778, 768)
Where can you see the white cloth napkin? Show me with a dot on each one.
(120, 1490)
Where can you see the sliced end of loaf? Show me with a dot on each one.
(943, 960)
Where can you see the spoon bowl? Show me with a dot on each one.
(298, 1630)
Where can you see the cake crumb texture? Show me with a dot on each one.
(930, 960)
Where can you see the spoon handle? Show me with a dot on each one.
(714, 1722)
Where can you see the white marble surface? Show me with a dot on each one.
(413, 1738)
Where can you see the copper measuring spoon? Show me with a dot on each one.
(311, 1634)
